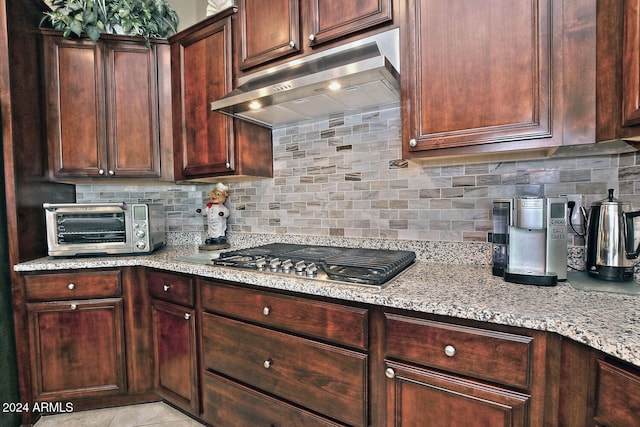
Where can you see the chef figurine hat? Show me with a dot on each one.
(222, 188)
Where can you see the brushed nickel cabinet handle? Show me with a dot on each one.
(450, 350)
(390, 373)
(187, 316)
(71, 286)
(166, 288)
(267, 363)
(266, 311)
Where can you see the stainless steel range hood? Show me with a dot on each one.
(366, 70)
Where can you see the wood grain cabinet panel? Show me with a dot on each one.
(66, 286)
(340, 324)
(174, 333)
(326, 379)
(231, 404)
(104, 108)
(618, 396)
(484, 76)
(631, 64)
(78, 349)
(421, 397)
(270, 30)
(332, 19)
(208, 144)
(494, 356)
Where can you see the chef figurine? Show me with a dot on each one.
(217, 214)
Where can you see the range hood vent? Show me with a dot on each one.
(366, 70)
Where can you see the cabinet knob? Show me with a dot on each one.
(389, 373)
(266, 311)
(187, 316)
(450, 350)
(71, 286)
(166, 288)
(74, 306)
(312, 37)
(228, 165)
(267, 364)
(111, 173)
(292, 43)
(413, 143)
(101, 171)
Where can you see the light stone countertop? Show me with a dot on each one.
(605, 321)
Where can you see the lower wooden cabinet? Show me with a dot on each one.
(228, 403)
(618, 396)
(423, 397)
(174, 336)
(174, 339)
(78, 348)
(327, 379)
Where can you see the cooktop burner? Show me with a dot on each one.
(373, 267)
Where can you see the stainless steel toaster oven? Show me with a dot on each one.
(77, 229)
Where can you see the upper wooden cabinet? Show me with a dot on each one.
(107, 106)
(208, 144)
(618, 86)
(272, 29)
(504, 76)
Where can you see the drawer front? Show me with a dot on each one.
(494, 356)
(326, 379)
(332, 322)
(171, 287)
(230, 404)
(618, 397)
(66, 286)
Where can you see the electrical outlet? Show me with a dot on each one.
(576, 221)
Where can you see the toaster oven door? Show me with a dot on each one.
(86, 227)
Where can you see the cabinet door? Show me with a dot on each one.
(420, 397)
(483, 74)
(201, 71)
(631, 64)
(77, 348)
(331, 19)
(132, 110)
(270, 29)
(75, 107)
(174, 335)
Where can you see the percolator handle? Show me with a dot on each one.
(630, 237)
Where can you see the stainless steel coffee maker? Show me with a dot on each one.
(537, 241)
(612, 244)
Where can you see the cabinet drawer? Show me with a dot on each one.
(332, 322)
(227, 403)
(65, 286)
(326, 379)
(494, 356)
(618, 397)
(171, 288)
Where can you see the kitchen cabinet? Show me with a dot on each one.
(496, 78)
(76, 334)
(271, 30)
(174, 334)
(282, 350)
(454, 373)
(209, 144)
(618, 84)
(618, 396)
(108, 112)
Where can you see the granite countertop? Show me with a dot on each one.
(608, 322)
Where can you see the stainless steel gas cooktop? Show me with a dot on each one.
(370, 267)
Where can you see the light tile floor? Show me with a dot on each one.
(155, 414)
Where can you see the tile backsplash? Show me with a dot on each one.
(343, 177)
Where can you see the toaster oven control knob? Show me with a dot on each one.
(140, 233)
(141, 245)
